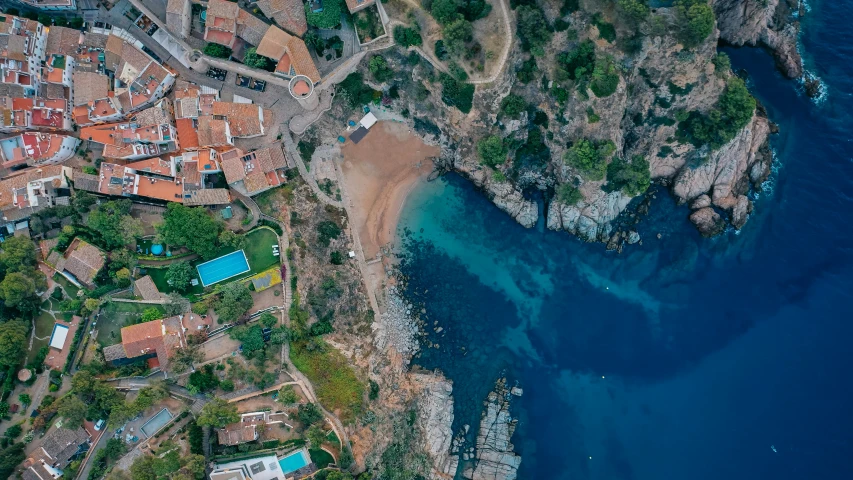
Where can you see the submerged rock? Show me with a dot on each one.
(708, 222)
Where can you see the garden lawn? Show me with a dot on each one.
(44, 321)
(258, 251)
(334, 380)
(70, 289)
(321, 458)
(116, 315)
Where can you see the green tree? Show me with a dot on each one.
(533, 29)
(217, 50)
(235, 301)
(605, 77)
(252, 59)
(631, 178)
(192, 227)
(336, 258)
(268, 320)
(10, 458)
(233, 239)
(19, 290)
(73, 410)
(82, 201)
(720, 124)
(90, 306)
(568, 194)
(179, 275)
(407, 36)
(379, 68)
(696, 20)
(218, 413)
(250, 336)
(327, 230)
(14, 431)
(578, 63)
(176, 304)
(18, 253)
(329, 17)
(309, 414)
(456, 94)
(287, 395)
(151, 314)
(456, 34)
(445, 11)
(492, 151)
(722, 65)
(634, 11)
(315, 436)
(123, 277)
(113, 223)
(512, 105)
(25, 399)
(590, 157)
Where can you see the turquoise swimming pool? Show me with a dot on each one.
(223, 268)
(156, 422)
(293, 462)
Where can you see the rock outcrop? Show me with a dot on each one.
(768, 23)
(707, 221)
(435, 416)
(495, 458)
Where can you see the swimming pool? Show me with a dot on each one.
(293, 462)
(156, 422)
(223, 268)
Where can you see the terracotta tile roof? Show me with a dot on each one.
(212, 132)
(137, 59)
(146, 289)
(233, 169)
(112, 52)
(61, 444)
(255, 181)
(53, 90)
(289, 14)
(186, 107)
(237, 433)
(156, 115)
(63, 40)
(222, 9)
(95, 40)
(142, 338)
(250, 28)
(114, 352)
(274, 43)
(208, 196)
(176, 6)
(354, 5)
(89, 86)
(187, 133)
(84, 260)
(302, 61)
(244, 119)
(85, 181)
(271, 158)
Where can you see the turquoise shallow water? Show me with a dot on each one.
(680, 358)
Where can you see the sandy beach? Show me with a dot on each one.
(380, 172)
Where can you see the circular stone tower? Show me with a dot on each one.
(302, 89)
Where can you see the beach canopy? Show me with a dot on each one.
(342, 139)
(368, 120)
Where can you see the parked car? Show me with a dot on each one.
(100, 424)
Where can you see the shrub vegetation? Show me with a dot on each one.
(590, 157)
(718, 126)
(631, 178)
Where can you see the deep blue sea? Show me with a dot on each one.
(683, 358)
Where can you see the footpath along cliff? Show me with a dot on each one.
(663, 86)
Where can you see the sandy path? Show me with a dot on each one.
(380, 172)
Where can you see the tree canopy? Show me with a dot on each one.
(18, 253)
(512, 105)
(252, 59)
(112, 223)
(568, 194)
(696, 20)
(492, 151)
(533, 29)
(235, 301)
(179, 275)
(329, 17)
(631, 178)
(407, 36)
(13, 341)
(218, 413)
(590, 157)
(719, 125)
(379, 68)
(191, 227)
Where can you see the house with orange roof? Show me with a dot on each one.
(154, 342)
(245, 120)
(356, 5)
(36, 149)
(19, 114)
(22, 51)
(290, 54)
(28, 191)
(289, 14)
(254, 172)
(81, 263)
(227, 24)
(128, 141)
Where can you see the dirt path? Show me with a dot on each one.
(496, 71)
